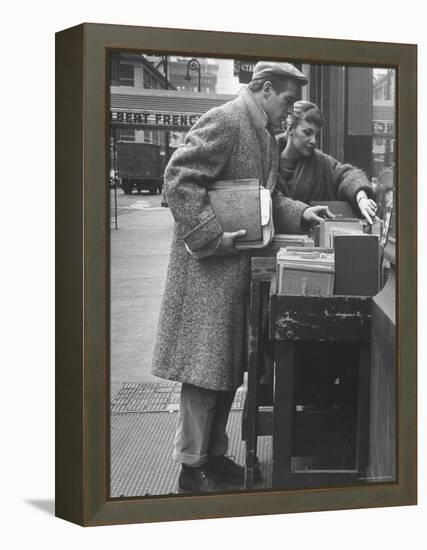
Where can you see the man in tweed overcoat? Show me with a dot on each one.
(200, 339)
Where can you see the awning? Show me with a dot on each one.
(160, 109)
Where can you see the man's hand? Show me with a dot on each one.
(316, 214)
(226, 246)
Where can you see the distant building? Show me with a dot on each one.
(184, 74)
(384, 120)
(385, 86)
(131, 72)
(156, 99)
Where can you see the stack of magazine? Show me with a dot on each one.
(281, 240)
(305, 271)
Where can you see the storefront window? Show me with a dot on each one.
(169, 96)
(148, 80)
(383, 136)
(126, 75)
(126, 134)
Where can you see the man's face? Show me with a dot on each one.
(276, 105)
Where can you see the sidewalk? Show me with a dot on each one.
(139, 257)
(143, 420)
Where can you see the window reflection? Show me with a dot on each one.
(383, 138)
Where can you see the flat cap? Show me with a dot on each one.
(268, 69)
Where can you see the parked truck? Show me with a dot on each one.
(139, 167)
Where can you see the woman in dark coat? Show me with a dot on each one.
(307, 174)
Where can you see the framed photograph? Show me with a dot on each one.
(187, 386)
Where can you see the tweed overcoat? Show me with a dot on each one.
(201, 329)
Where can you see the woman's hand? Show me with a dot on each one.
(226, 246)
(316, 214)
(367, 207)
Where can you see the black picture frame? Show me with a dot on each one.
(82, 255)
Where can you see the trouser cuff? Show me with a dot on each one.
(190, 460)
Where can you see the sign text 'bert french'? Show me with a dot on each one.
(154, 119)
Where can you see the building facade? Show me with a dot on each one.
(156, 99)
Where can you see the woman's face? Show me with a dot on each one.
(304, 137)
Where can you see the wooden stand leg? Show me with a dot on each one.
(363, 409)
(251, 398)
(283, 412)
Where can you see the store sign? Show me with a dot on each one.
(383, 128)
(244, 70)
(154, 119)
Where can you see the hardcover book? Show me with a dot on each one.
(341, 209)
(243, 204)
(329, 228)
(357, 265)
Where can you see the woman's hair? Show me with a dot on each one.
(304, 111)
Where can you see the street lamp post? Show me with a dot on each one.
(193, 65)
(167, 133)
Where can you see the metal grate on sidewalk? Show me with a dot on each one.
(134, 397)
(142, 438)
(141, 454)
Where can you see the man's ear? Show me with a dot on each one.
(267, 89)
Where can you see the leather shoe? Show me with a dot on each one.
(226, 469)
(196, 480)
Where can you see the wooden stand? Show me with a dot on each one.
(383, 416)
(262, 270)
(294, 319)
(316, 319)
